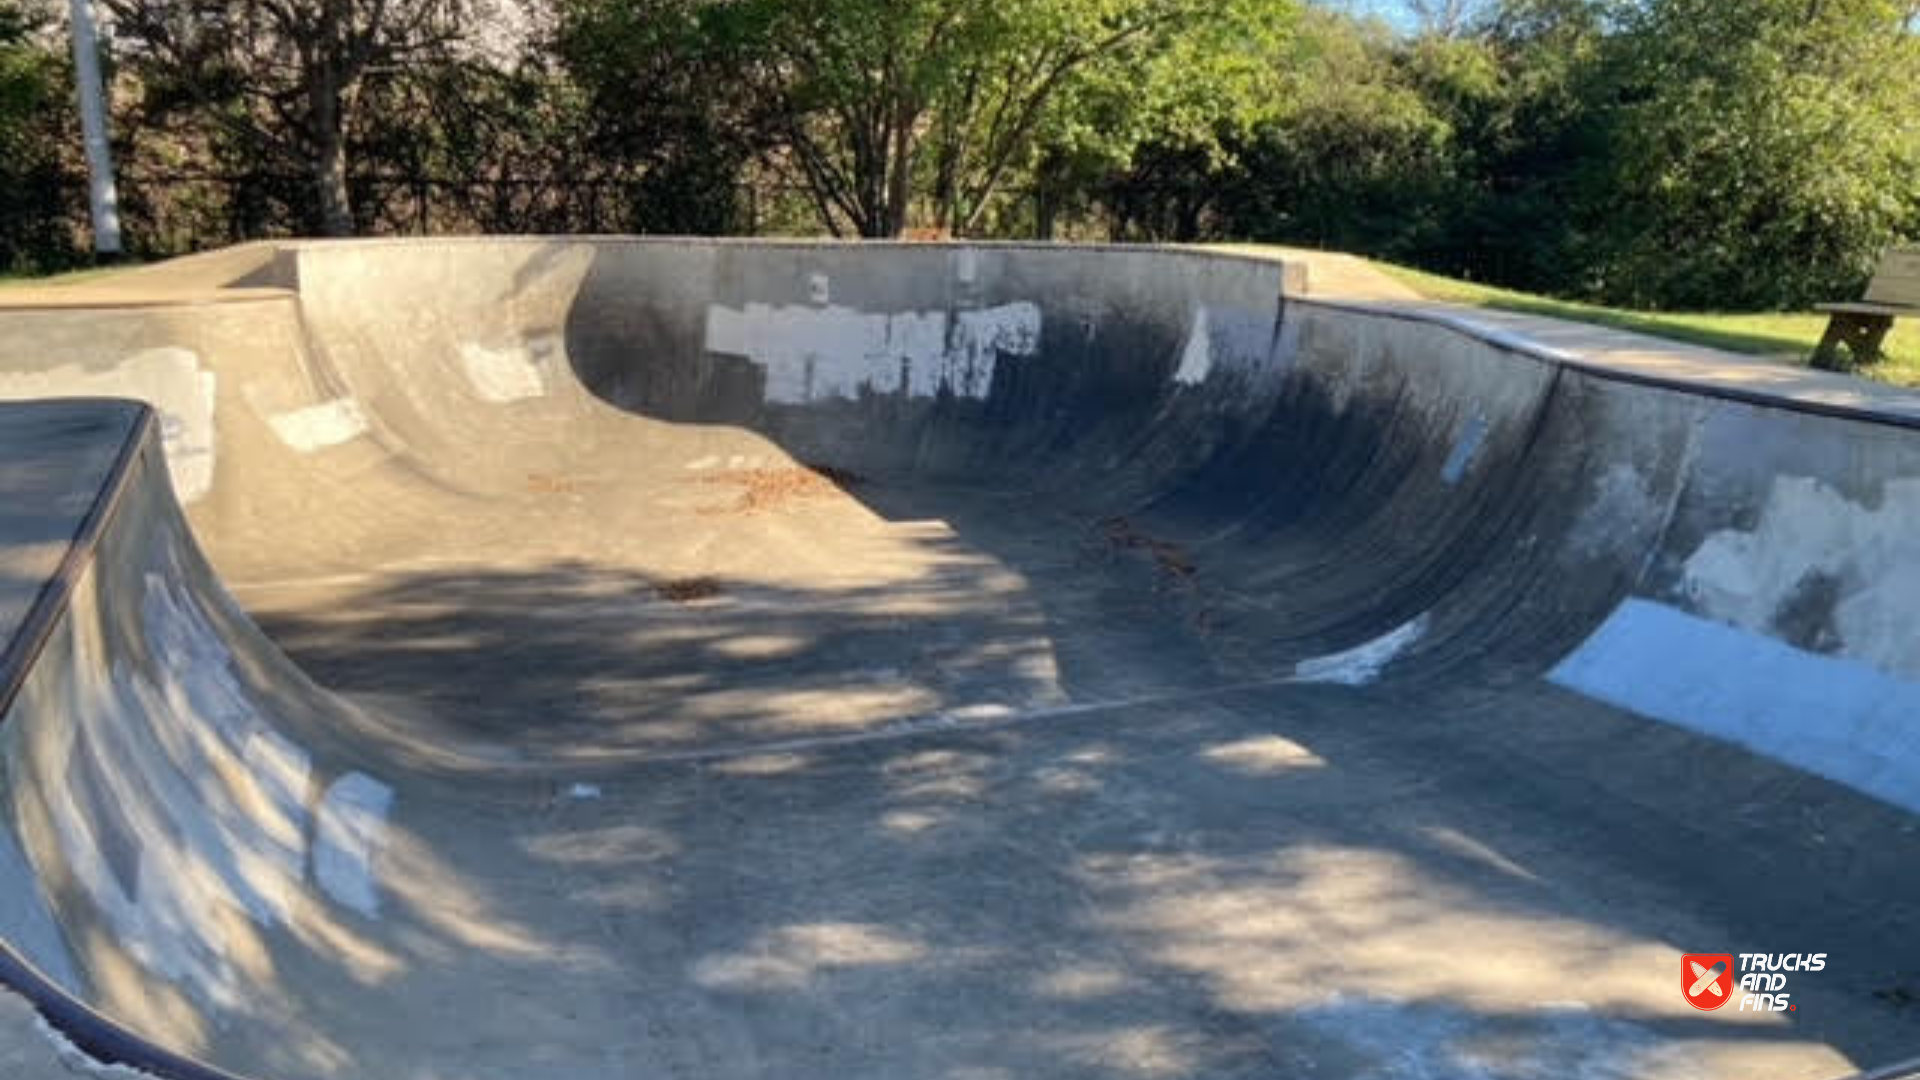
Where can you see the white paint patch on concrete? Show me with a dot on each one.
(1838, 717)
(513, 372)
(981, 712)
(982, 336)
(1467, 441)
(820, 289)
(1263, 755)
(351, 827)
(1363, 663)
(179, 807)
(966, 266)
(219, 755)
(827, 353)
(1196, 359)
(170, 379)
(1809, 529)
(1225, 339)
(198, 667)
(317, 427)
(583, 792)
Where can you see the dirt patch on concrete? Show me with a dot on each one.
(1171, 560)
(1174, 571)
(549, 484)
(687, 590)
(769, 489)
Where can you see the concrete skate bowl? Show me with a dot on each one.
(618, 658)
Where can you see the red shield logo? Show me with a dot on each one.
(1706, 979)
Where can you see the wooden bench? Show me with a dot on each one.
(1862, 327)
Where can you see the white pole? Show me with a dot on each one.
(103, 199)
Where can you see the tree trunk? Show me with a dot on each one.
(945, 180)
(330, 157)
(330, 185)
(946, 197)
(900, 187)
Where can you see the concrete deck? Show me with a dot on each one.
(610, 658)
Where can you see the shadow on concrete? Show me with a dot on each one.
(1288, 880)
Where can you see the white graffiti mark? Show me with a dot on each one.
(181, 813)
(1363, 663)
(351, 826)
(1196, 360)
(513, 372)
(1225, 339)
(1808, 530)
(823, 353)
(1466, 447)
(317, 427)
(179, 807)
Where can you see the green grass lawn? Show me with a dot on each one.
(1787, 336)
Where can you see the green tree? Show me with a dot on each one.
(1154, 138)
(1531, 155)
(1353, 156)
(877, 106)
(662, 105)
(1765, 151)
(37, 181)
(284, 83)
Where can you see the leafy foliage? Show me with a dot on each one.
(37, 186)
(1677, 153)
(1655, 153)
(1765, 152)
(656, 96)
(877, 108)
(284, 81)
